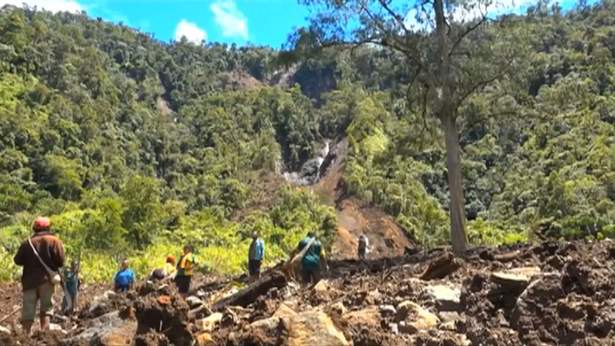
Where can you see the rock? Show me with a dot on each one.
(448, 325)
(338, 308)
(201, 294)
(194, 302)
(412, 318)
(307, 328)
(57, 327)
(4, 330)
(322, 286)
(441, 267)
(314, 328)
(109, 294)
(284, 311)
(515, 277)
(387, 309)
(108, 330)
(445, 297)
(448, 316)
(209, 323)
(369, 317)
(205, 339)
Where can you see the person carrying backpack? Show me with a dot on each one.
(313, 260)
(41, 256)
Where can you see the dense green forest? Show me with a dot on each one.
(135, 147)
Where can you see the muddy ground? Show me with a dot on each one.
(551, 293)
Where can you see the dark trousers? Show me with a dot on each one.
(254, 267)
(183, 283)
(310, 276)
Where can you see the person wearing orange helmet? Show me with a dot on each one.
(166, 272)
(40, 255)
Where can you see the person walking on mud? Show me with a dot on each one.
(71, 278)
(313, 260)
(184, 271)
(255, 256)
(41, 256)
(363, 247)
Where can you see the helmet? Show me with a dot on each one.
(41, 223)
(170, 259)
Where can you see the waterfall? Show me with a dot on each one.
(310, 171)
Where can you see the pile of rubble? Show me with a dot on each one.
(553, 293)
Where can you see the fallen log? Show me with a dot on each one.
(507, 257)
(249, 294)
(441, 267)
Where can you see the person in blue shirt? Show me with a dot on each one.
(256, 255)
(71, 278)
(125, 278)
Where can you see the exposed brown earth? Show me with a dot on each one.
(552, 293)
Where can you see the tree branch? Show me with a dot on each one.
(390, 40)
(467, 31)
(483, 83)
(397, 17)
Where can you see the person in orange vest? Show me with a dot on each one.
(184, 271)
(37, 281)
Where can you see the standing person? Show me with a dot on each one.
(184, 271)
(37, 282)
(363, 244)
(124, 278)
(71, 278)
(313, 260)
(256, 255)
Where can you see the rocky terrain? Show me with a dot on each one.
(551, 293)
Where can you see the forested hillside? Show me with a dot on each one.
(135, 147)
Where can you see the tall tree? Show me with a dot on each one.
(433, 37)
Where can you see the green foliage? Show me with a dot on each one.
(135, 147)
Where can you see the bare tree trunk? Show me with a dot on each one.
(447, 115)
(455, 187)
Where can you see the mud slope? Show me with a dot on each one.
(386, 237)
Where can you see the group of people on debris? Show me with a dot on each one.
(180, 274)
(42, 256)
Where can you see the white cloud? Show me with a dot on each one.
(232, 21)
(192, 32)
(467, 13)
(49, 5)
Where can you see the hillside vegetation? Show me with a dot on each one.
(135, 147)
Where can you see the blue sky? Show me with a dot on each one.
(260, 22)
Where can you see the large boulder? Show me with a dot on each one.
(411, 318)
(108, 330)
(303, 329)
(314, 328)
(444, 297)
(366, 318)
(515, 277)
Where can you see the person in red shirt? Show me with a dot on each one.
(36, 281)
